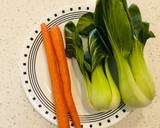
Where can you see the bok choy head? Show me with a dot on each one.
(127, 35)
(100, 87)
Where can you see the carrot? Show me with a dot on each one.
(62, 115)
(58, 45)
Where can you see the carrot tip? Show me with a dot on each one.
(43, 25)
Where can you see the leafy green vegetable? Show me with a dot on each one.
(113, 11)
(97, 50)
(116, 34)
(141, 29)
(101, 89)
(145, 33)
(86, 24)
(127, 36)
(74, 47)
(136, 18)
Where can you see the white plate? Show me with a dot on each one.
(36, 82)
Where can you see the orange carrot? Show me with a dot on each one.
(62, 116)
(58, 45)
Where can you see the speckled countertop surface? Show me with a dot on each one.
(17, 17)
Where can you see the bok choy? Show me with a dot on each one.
(115, 32)
(101, 89)
(127, 34)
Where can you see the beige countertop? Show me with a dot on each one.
(17, 17)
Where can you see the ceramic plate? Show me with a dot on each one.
(36, 82)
